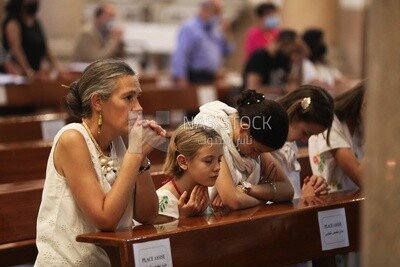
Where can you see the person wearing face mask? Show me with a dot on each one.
(24, 40)
(201, 46)
(266, 29)
(100, 39)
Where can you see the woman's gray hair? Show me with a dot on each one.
(100, 77)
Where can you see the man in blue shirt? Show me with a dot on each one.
(201, 47)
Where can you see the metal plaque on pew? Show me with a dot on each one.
(333, 229)
(153, 253)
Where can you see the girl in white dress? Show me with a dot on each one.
(92, 182)
(310, 111)
(338, 155)
(193, 162)
(249, 175)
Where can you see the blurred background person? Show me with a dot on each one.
(24, 40)
(327, 75)
(101, 38)
(201, 46)
(302, 70)
(269, 66)
(280, 67)
(265, 30)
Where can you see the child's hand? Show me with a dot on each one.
(196, 204)
(217, 202)
(314, 186)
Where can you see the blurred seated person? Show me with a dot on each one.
(201, 46)
(280, 66)
(265, 30)
(302, 70)
(101, 38)
(327, 75)
(24, 40)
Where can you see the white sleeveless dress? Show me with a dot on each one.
(60, 219)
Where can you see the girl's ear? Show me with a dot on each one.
(96, 102)
(181, 159)
(244, 128)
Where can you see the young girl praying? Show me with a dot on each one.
(193, 163)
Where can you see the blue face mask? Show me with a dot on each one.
(272, 21)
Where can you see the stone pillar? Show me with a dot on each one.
(300, 15)
(352, 28)
(381, 211)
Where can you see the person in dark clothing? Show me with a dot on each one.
(271, 66)
(25, 41)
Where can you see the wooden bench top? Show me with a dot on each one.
(32, 127)
(37, 93)
(266, 235)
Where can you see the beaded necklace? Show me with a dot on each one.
(109, 167)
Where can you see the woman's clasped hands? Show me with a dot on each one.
(144, 135)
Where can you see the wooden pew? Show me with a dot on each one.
(19, 206)
(266, 235)
(26, 183)
(51, 95)
(23, 161)
(32, 127)
(20, 195)
(156, 98)
(40, 94)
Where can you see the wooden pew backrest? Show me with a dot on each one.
(50, 94)
(23, 161)
(32, 127)
(19, 206)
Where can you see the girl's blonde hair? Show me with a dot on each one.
(187, 139)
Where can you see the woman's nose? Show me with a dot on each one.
(137, 106)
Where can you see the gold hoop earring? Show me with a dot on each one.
(99, 122)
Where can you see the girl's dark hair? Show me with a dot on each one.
(268, 121)
(348, 104)
(309, 103)
(314, 40)
(263, 8)
(14, 8)
(100, 77)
